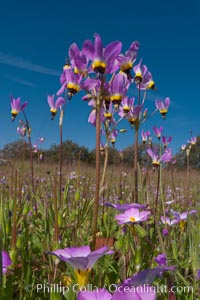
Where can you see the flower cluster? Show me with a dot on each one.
(106, 75)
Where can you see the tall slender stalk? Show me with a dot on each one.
(136, 164)
(97, 180)
(137, 124)
(61, 157)
(14, 227)
(103, 177)
(1, 269)
(30, 150)
(55, 206)
(104, 167)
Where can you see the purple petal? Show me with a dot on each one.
(88, 49)
(62, 78)
(98, 46)
(123, 207)
(112, 51)
(124, 293)
(95, 255)
(6, 261)
(100, 294)
(61, 90)
(15, 104)
(150, 152)
(60, 101)
(73, 51)
(147, 292)
(161, 259)
(118, 84)
(50, 100)
(175, 214)
(132, 51)
(165, 220)
(24, 105)
(81, 263)
(60, 253)
(79, 251)
(92, 117)
(137, 68)
(89, 84)
(81, 62)
(144, 215)
(146, 277)
(192, 212)
(167, 102)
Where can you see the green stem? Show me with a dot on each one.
(30, 149)
(136, 164)
(14, 228)
(96, 201)
(1, 269)
(157, 191)
(137, 124)
(55, 206)
(61, 156)
(104, 167)
(103, 177)
(31, 159)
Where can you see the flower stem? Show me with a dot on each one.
(14, 228)
(30, 150)
(97, 185)
(103, 177)
(136, 164)
(137, 125)
(97, 181)
(61, 155)
(104, 166)
(1, 273)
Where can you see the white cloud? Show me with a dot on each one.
(21, 63)
(18, 80)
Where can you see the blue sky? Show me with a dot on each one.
(35, 37)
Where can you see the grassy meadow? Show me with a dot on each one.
(28, 219)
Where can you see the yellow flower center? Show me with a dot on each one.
(151, 85)
(14, 112)
(99, 66)
(82, 72)
(126, 109)
(82, 277)
(116, 98)
(138, 75)
(73, 87)
(131, 120)
(126, 66)
(155, 163)
(53, 110)
(66, 67)
(132, 219)
(163, 111)
(108, 115)
(182, 225)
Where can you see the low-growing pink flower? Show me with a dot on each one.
(132, 216)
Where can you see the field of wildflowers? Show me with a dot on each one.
(103, 233)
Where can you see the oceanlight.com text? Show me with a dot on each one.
(48, 288)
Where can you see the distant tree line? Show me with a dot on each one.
(72, 152)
